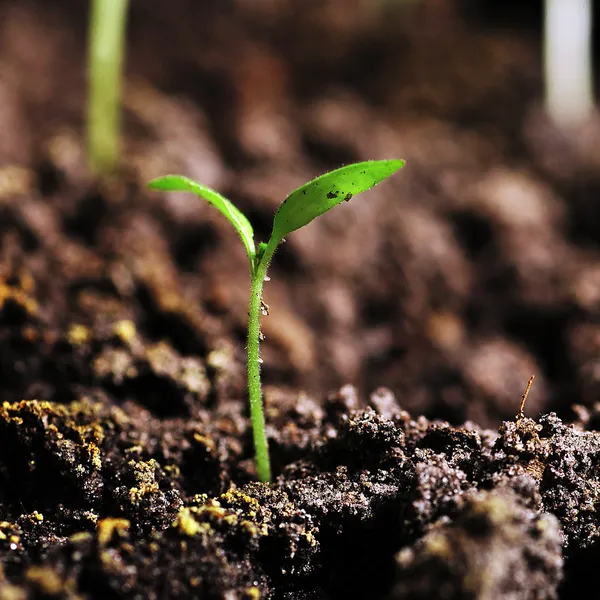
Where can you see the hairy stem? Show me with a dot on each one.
(105, 59)
(261, 447)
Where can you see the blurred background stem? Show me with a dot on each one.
(105, 61)
(567, 61)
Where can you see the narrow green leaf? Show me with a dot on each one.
(179, 183)
(323, 193)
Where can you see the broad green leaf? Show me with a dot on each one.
(179, 183)
(323, 193)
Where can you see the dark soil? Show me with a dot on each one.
(125, 450)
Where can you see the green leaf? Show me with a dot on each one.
(323, 193)
(179, 183)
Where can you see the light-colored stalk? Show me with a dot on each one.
(567, 61)
(257, 416)
(105, 64)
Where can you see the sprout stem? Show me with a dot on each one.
(105, 59)
(297, 210)
(257, 416)
(567, 61)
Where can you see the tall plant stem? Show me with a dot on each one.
(568, 61)
(257, 416)
(105, 60)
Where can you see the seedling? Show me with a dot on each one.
(106, 40)
(297, 210)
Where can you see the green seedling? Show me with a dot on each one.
(297, 210)
(106, 43)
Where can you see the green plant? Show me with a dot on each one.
(105, 60)
(297, 210)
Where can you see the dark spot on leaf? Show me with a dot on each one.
(304, 192)
(348, 196)
(332, 194)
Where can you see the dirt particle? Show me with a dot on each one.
(264, 308)
(15, 180)
(80, 537)
(45, 580)
(108, 527)
(125, 330)
(252, 593)
(78, 335)
(205, 441)
(186, 523)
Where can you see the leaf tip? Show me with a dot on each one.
(396, 164)
(154, 184)
(160, 183)
(173, 183)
